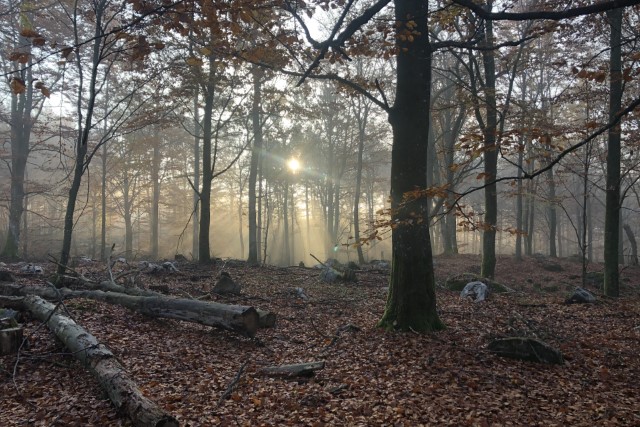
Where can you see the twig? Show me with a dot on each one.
(75, 274)
(233, 383)
(323, 264)
(317, 330)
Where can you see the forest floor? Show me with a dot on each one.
(371, 377)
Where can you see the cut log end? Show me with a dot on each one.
(10, 340)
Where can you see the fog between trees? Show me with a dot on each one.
(158, 93)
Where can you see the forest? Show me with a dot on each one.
(285, 198)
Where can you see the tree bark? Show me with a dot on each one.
(362, 116)
(155, 201)
(84, 128)
(411, 303)
(612, 209)
(21, 125)
(204, 251)
(256, 153)
(113, 378)
(240, 319)
(553, 217)
(633, 244)
(488, 266)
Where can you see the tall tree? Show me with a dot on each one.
(27, 98)
(256, 153)
(101, 41)
(411, 304)
(613, 202)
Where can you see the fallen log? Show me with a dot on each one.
(238, 318)
(115, 381)
(266, 319)
(296, 370)
(109, 286)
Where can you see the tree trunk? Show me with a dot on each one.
(256, 153)
(127, 195)
(553, 218)
(83, 130)
(411, 303)
(488, 266)
(240, 319)
(519, 211)
(103, 194)
(204, 250)
(632, 242)
(21, 125)
(286, 250)
(362, 115)
(195, 245)
(113, 378)
(612, 209)
(155, 198)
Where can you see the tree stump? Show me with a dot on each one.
(10, 340)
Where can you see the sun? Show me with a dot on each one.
(293, 165)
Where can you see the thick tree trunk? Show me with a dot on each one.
(612, 210)
(114, 380)
(411, 303)
(490, 157)
(240, 319)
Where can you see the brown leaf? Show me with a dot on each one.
(29, 32)
(18, 86)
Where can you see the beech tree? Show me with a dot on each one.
(28, 95)
(99, 44)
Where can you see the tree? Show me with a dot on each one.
(411, 304)
(27, 99)
(107, 42)
(256, 154)
(613, 201)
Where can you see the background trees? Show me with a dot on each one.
(510, 104)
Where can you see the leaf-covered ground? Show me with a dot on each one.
(371, 377)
